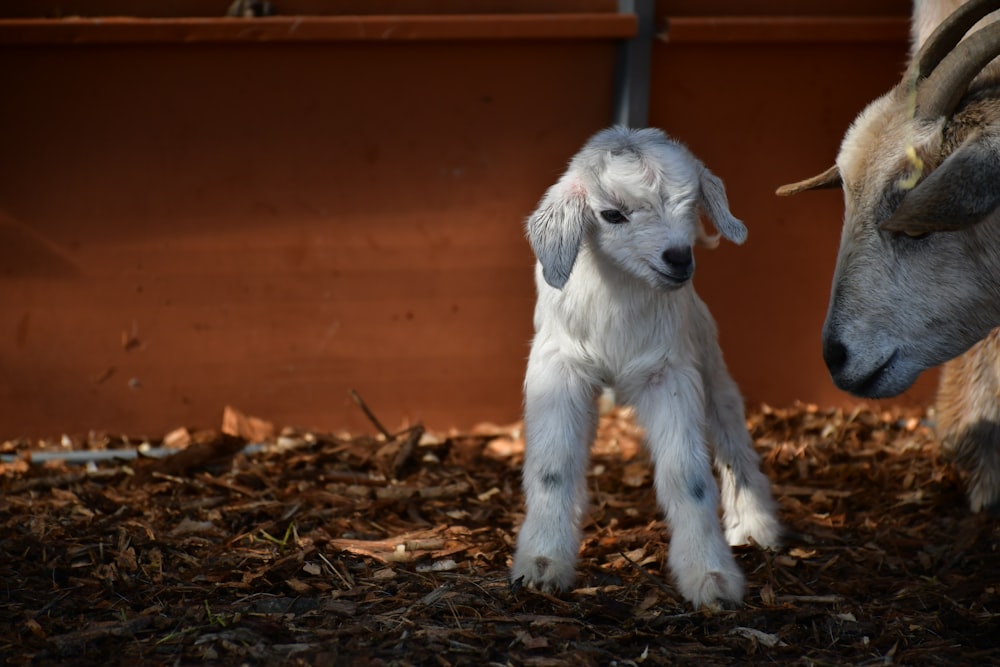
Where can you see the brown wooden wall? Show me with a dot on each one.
(190, 221)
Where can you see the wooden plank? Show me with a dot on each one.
(109, 30)
(786, 29)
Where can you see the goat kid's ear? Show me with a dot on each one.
(715, 204)
(555, 229)
(827, 180)
(961, 192)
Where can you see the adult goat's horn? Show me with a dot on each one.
(947, 64)
(828, 179)
(939, 94)
(949, 33)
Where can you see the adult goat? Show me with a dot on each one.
(917, 279)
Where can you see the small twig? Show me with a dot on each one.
(355, 478)
(176, 480)
(406, 449)
(371, 416)
(659, 584)
(348, 580)
(818, 599)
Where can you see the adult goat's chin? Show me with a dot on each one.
(879, 366)
(882, 376)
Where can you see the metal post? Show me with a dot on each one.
(632, 67)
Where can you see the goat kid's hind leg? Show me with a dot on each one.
(671, 409)
(749, 510)
(968, 419)
(560, 421)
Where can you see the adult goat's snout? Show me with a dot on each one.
(848, 371)
(865, 365)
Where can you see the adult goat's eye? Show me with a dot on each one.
(614, 216)
(910, 235)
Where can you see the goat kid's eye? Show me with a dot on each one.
(615, 217)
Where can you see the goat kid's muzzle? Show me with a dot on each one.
(677, 265)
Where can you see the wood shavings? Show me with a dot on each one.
(394, 548)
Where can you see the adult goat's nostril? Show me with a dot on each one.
(679, 260)
(835, 355)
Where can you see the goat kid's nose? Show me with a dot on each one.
(679, 260)
(834, 354)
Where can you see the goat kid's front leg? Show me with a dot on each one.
(560, 421)
(671, 409)
(968, 419)
(749, 510)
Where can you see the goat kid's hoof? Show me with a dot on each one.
(984, 500)
(713, 590)
(541, 573)
(763, 531)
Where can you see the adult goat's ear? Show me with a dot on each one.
(555, 229)
(715, 205)
(961, 192)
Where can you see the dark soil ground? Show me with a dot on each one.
(393, 549)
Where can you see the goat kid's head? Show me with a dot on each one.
(917, 279)
(633, 197)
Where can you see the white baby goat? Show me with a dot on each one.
(616, 308)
